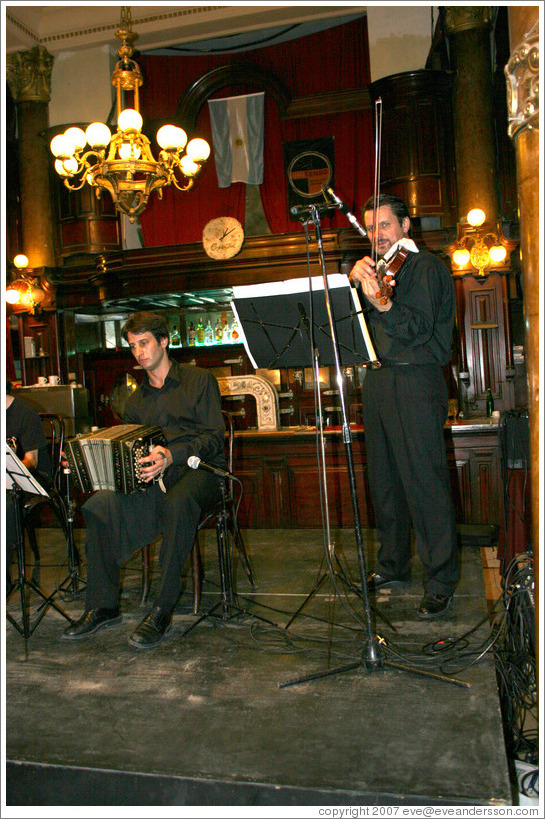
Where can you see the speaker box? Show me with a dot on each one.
(514, 436)
(477, 534)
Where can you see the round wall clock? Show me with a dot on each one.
(222, 238)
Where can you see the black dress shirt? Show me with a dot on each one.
(24, 424)
(188, 409)
(418, 327)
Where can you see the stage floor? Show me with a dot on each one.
(203, 719)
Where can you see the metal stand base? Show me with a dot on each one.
(380, 663)
(26, 628)
(342, 579)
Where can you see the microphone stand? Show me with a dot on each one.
(72, 581)
(372, 654)
(227, 603)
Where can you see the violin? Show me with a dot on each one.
(386, 273)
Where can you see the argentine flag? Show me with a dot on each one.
(238, 125)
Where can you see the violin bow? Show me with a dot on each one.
(376, 185)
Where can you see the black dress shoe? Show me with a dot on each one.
(92, 621)
(152, 630)
(434, 605)
(377, 580)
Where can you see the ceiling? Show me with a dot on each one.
(66, 27)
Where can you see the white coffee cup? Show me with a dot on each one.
(42, 380)
(54, 380)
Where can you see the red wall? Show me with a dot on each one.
(333, 60)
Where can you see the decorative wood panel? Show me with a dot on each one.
(417, 142)
(485, 326)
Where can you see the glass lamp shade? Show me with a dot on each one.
(476, 217)
(198, 150)
(13, 294)
(66, 167)
(98, 135)
(76, 138)
(189, 168)
(461, 256)
(60, 146)
(36, 294)
(130, 120)
(170, 136)
(128, 150)
(20, 261)
(69, 146)
(497, 253)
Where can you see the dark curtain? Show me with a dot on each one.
(332, 60)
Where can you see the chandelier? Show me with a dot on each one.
(123, 163)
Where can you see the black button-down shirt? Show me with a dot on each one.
(188, 409)
(418, 327)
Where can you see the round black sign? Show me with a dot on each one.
(308, 172)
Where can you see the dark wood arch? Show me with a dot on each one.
(239, 72)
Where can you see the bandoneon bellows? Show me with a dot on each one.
(108, 458)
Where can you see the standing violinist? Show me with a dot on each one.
(405, 404)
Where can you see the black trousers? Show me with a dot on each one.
(404, 411)
(119, 525)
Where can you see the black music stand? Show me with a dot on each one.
(286, 324)
(287, 327)
(279, 321)
(19, 480)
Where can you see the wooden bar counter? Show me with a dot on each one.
(281, 475)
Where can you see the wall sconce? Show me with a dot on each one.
(25, 290)
(482, 249)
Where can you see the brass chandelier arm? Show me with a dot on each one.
(186, 187)
(84, 167)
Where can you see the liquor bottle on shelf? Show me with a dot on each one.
(208, 333)
(218, 331)
(235, 334)
(200, 332)
(226, 332)
(175, 339)
(489, 403)
(191, 334)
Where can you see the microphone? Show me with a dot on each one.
(195, 463)
(302, 211)
(344, 209)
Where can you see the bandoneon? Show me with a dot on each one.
(108, 458)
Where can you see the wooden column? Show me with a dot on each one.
(522, 72)
(468, 30)
(28, 74)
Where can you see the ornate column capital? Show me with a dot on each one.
(465, 18)
(28, 74)
(522, 75)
